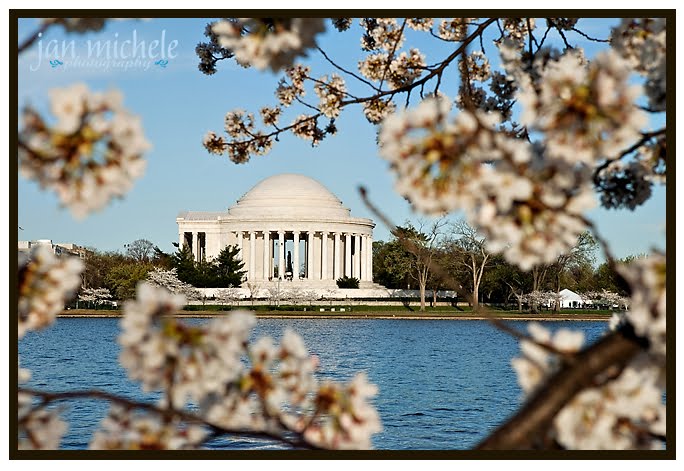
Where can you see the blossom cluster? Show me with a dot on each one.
(45, 281)
(641, 41)
(378, 109)
(538, 363)
(454, 29)
(91, 154)
(624, 410)
(625, 413)
(527, 206)
(186, 362)
(123, 429)
(517, 29)
(168, 279)
(306, 127)
(39, 428)
(330, 93)
(95, 295)
(398, 70)
(585, 113)
(606, 297)
(347, 419)
(420, 24)
(647, 313)
(277, 388)
(285, 93)
(382, 33)
(268, 42)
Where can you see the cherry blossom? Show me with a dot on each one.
(269, 43)
(536, 362)
(46, 281)
(647, 311)
(64, 157)
(123, 429)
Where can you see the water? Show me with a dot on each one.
(443, 384)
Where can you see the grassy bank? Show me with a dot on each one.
(398, 312)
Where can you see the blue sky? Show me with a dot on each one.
(178, 105)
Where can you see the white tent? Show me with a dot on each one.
(570, 299)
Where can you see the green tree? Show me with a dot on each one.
(346, 282)
(184, 262)
(162, 259)
(229, 268)
(97, 266)
(391, 264)
(122, 279)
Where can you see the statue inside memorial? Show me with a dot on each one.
(288, 266)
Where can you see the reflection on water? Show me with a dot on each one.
(443, 384)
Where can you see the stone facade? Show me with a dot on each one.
(289, 228)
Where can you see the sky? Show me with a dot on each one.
(178, 105)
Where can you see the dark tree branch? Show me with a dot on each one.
(167, 414)
(33, 38)
(528, 428)
(370, 84)
(645, 137)
(581, 33)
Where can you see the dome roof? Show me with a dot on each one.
(289, 195)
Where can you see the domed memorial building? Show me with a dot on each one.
(289, 228)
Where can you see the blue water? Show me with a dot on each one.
(443, 384)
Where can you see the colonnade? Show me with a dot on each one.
(323, 257)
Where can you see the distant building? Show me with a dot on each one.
(58, 248)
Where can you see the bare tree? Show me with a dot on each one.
(230, 295)
(253, 288)
(417, 252)
(582, 252)
(140, 250)
(468, 251)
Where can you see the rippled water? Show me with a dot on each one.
(443, 384)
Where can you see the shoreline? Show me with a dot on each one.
(360, 315)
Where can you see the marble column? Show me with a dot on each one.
(295, 257)
(357, 256)
(369, 260)
(324, 256)
(336, 257)
(195, 248)
(252, 256)
(267, 253)
(181, 240)
(281, 254)
(362, 258)
(239, 244)
(309, 255)
(347, 255)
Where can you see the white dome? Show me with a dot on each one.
(289, 195)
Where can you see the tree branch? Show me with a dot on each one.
(370, 84)
(527, 428)
(48, 397)
(645, 137)
(31, 39)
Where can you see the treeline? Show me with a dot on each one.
(120, 272)
(444, 255)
